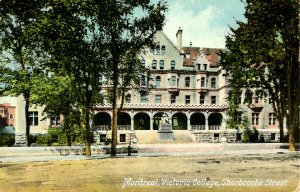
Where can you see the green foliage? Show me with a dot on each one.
(250, 136)
(7, 139)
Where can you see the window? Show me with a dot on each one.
(203, 82)
(187, 81)
(272, 119)
(255, 118)
(3, 111)
(173, 81)
(216, 136)
(205, 66)
(157, 81)
(33, 118)
(173, 99)
(143, 97)
(11, 116)
(143, 63)
(199, 67)
(122, 138)
(163, 50)
(202, 99)
(101, 80)
(161, 64)
(102, 138)
(187, 99)
(173, 64)
(157, 99)
(238, 117)
(54, 120)
(157, 49)
(143, 80)
(273, 136)
(213, 100)
(128, 98)
(256, 99)
(154, 64)
(213, 82)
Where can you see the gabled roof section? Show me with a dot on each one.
(190, 53)
(210, 54)
(163, 33)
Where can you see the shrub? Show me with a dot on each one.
(43, 139)
(7, 140)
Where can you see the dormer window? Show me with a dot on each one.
(157, 49)
(173, 64)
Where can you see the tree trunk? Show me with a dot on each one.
(281, 139)
(87, 132)
(115, 111)
(27, 122)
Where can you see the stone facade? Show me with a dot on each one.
(185, 83)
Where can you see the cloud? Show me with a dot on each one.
(203, 25)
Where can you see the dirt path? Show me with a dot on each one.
(269, 172)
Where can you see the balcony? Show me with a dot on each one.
(197, 127)
(173, 90)
(214, 127)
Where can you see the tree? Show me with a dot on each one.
(262, 56)
(21, 55)
(74, 42)
(129, 27)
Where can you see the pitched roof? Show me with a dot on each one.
(211, 55)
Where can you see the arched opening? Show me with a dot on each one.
(157, 81)
(161, 64)
(163, 50)
(198, 121)
(141, 121)
(179, 121)
(157, 120)
(124, 121)
(187, 82)
(203, 82)
(154, 64)
(102, 120)
(213, 82)
(214, 121)
(172, 64)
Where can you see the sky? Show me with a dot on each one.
(205, 23)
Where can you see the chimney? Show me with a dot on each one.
(179, 39)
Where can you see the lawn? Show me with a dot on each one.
(269, 172)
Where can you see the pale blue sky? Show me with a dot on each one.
(204, 22)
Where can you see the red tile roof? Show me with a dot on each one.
(211, 55)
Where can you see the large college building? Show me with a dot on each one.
(185, 85)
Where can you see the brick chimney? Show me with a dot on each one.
(179, 39)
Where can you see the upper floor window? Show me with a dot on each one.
(272, 119)
(203, 82)
(187, 99)
(143, 63)
(154, 64)
(213, 100)
(173, 99)
(255, 118)
(54, 120)
(128, 98)
(187, 81)
(143, 97)
(213, 82)
(163, 50)
(157, 81)
(205, 66)
(256, 99)
(161, 64)
(238, 117)
(173, 81)
(173, 64)
(33, 118)
(158, 99)
(143, 80)
(11, 116)
(3, 112)
(202, 99)
(157, 49)
(199, 67)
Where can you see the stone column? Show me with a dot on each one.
(151, 124)
(206, 123)
(132, 124)
(189, 124)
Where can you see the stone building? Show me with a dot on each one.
(185, 84)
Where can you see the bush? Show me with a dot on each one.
(7, 140)
(250, 136)
(43, 139)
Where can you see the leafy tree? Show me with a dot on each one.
(21, 56)
(129, 27)
(74, 41)
(262, 59)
